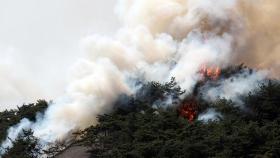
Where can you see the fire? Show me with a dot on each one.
(188, 110)
(212, 72)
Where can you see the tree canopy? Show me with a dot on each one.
(250, 131)
(142, 125)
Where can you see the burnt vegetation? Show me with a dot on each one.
(149, 124)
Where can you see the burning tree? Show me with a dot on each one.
(153, 132)
(210, 72)
(188, 109)
(146, 131)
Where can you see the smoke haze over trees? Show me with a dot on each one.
(137, 127)
(160, 81)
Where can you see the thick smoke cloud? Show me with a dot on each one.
(262, 36)
(158, 40)
(39, 40)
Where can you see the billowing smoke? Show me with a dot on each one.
(261, 48)
(234, 87)
(159, 40)
(38, 42)
(13, 133)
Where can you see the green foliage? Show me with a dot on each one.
(12, 117)
(25, 146)
(137, 129)
(153, 91)
(250, 131)
(233, 70)
(265, 101)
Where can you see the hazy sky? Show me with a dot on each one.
(39, 41)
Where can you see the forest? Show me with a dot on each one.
(139, 127)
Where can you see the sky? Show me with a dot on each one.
(40, 40)
(159, 39)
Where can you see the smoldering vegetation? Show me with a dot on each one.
(195, 41)
(150, 123)
(220, 128)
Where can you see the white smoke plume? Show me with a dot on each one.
(159, 39)
(209, 115)
(38, 42)
(234, 87)
(13, 133)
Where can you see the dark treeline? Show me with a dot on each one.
(139, 126)
(250, 131)
(10, 118)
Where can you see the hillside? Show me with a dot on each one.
(138, 126)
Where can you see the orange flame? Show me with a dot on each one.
(188, 110)
(212, 72)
